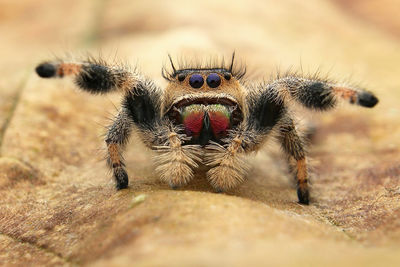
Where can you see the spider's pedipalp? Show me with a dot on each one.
(176, 162)
(228, 165)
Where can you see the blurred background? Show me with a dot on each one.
(58, 205)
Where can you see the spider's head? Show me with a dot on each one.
(207, 101)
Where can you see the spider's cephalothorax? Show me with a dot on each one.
(207, 103)
(206, 116)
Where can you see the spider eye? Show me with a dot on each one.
(181, 77)
(196, 81)
(227, 76)
(213, 80)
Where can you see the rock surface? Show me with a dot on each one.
(58, 205)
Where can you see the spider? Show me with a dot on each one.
(207, 115)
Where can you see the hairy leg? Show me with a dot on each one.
(228, 165)
(140, 105)
(294, 147)
(315, 93)
(175, 162)
(93, 76)
(117, 137)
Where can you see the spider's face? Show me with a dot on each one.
(207, 102)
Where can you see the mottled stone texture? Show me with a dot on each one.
(58, 205)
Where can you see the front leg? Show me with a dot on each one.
(293, 146)
(268, 112)
(139, 109)
(140, 105)
(91, 75)
(229, 164)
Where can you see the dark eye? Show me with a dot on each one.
(213, 80)
(196, 81)
(227, 76)
(181, 77)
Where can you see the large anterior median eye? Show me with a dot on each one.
(213, 80)
(196, 81)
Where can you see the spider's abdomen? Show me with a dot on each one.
(206, 122)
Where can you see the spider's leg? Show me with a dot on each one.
(116, 139)
(140, 109)
(293, 145)
(268, 115)
(319, 94)
(316, 94)
(140, 105)
(96, 77)
(228, 163)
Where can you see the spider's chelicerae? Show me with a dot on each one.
(206, 116)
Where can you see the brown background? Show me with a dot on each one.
(57, 200)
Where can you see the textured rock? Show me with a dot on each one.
(14, 171)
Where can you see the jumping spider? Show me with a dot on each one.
(206, 116)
